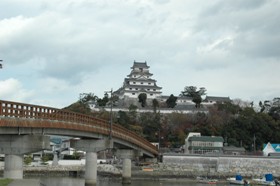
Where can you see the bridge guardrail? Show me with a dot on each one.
(78, 121)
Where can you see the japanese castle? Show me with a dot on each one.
(139, 81)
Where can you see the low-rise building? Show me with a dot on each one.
(232, 150)
(197, 144)
(211, 100)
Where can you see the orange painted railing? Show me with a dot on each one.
(47, 117)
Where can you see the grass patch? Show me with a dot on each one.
(5, 181)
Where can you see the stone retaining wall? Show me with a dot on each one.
(220, 166)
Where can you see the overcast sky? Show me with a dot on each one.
(54, 50)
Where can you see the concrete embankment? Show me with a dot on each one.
(220, 166)
(25, 182)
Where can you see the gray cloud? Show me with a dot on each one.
(76, 46)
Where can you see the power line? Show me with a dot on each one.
(111, 111)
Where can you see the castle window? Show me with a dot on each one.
(149, 83)
(133, 93)
(141, 83)
(148, 89)
(151, 94)
(134, 82)
(130, 88)
(154, 89)
(136, 88)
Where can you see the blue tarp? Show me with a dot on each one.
(268, 177)
(238, 177)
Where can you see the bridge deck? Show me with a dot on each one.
(13, 114)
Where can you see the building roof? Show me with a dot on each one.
(274, 146)
(205, 148)
(139, 80)
(146, 73)
(207, 138)
(186, 107)
(143, 86)
(140, 65)
(217, 99)
(268, 149)
(140, 90)
(184, 98)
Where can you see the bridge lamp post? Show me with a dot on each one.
(111, 111)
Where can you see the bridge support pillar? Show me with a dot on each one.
(126, 172)
(127, 155)
(91, 169)
(13, 166)
(91, 147)
(15, 146)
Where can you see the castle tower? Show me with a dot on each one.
(139, 81)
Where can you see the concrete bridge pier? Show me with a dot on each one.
(13, 166)
(126, 172)
(15, 146)
(91, 169)
(127, 155)
(91, 147)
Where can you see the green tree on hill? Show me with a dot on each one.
(102, 102)
(155, 105)
(87, 98)
(79, 107)
(191, 91)
(171, 101)
(142, 99)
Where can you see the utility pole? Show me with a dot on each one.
(254, 143)
(111, 111)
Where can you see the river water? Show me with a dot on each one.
(113, 182)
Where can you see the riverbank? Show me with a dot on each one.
(29, 182)
(173, 166)
(157, 171)
(5, 181)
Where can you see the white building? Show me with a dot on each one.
(197, 144)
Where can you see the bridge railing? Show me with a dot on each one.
(21, 110)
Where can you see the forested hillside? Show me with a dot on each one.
(238, 125)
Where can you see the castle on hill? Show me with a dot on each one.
(140, 80)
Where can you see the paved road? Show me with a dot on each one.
(25, 182)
